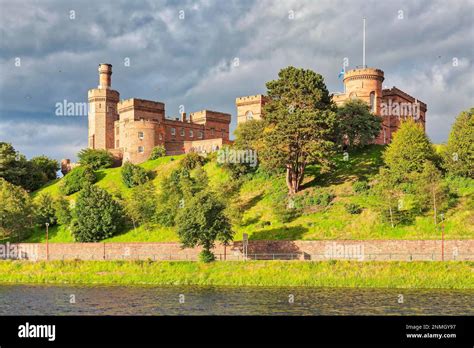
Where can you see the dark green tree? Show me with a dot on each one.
(62, 210)
(47, 166)
(458, 156)
(203, 222)
(77, 179)
(142, 203)
(97, 215)
(44, 209)
(96, 159)
(356, 125)
(157, 152)
(134, 175)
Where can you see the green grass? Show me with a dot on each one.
(427, 275)
(258, 195)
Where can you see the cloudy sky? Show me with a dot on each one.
(50, 50)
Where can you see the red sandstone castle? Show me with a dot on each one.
(131, 128)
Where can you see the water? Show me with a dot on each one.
(119, 300)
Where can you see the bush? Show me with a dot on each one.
(133, 175)
(361, 186)
(44, 209)
(77, 179)
(62, 210)
(192, 160)
(157, 152)
(285, 210)
(206, 256)
(97, 215)
(353, 208)
(96, 159)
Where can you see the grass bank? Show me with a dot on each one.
(434, 275)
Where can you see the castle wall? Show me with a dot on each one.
(250, 104)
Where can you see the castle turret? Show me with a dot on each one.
(365, 84)
(250, 107)
(103, 111)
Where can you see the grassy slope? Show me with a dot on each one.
(446, 275)
(257, 195)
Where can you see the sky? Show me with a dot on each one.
(204, 54)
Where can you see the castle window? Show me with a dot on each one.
(160, 136)
(249, 115)
(117, 144)
(117, 130)
(191, 133)
(141, 149)
(372, 101)
(182, 132)
(140, 135)
(173, 131)
(201, 135)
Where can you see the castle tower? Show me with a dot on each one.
(102, 111)
(250, 107)
(365, 84)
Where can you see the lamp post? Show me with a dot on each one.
(47, 241)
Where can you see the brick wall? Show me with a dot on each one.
(303, 250)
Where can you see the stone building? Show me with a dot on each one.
(131, 128)
(392, 105)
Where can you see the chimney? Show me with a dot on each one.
(191, 118)
(105, 76)
(183, 117)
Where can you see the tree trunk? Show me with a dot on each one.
(391, 215)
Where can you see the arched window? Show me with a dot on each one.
(372, 101)
(352, 95)
(249, 115)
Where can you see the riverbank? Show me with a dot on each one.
(351, 274)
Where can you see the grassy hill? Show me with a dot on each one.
(260, 193)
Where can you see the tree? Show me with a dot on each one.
(409, 151)
(77, 179)
(157, 152)
(202, 222)
(133, 175)
(356, 125)
(44, 209)
(16, 211)
(97, 215)
(386, 188)
(191, 160)
(96, 159)
(299, 123)
(62, 210)
(458, 156)
(141, 204)
(47, 166)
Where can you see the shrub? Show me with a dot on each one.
(96, 159)
(157, 152)
(77, 179)
(206, 256)
(133, 175)
(44, 209)
(285, 210)
(353, 208)
(97, 215)
(62, 210)
(361, 186)
(191, 160)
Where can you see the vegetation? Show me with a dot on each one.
(44, 209)
(97, 215)
(157, 152)
(77, 179)
(133, 175)
(458, 154)
(96, 159)
(370, 274)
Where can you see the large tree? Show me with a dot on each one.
(356, 125)
(299, 124)
(458, 156)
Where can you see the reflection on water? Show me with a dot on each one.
(119, 300)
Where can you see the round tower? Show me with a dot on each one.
(365, 84)
(105, 75)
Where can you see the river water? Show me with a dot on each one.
(190, 300)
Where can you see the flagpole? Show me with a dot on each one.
(363, 46)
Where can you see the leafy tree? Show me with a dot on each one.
(248, 133)
(134, 175)
(142, 203)
(47, 166)
(97, 215)
(409, 151)
(157, 152)
(77, 179)
(458, 156)
(299, 124)
(356, 125)
(387, 190)
(191, 160)
(96, 158)
(62, 210)
(202, 222)
(16, 211)
(44, 209)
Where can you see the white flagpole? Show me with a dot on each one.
(363, 46)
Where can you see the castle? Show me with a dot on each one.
(392, 105)
(131, 128)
